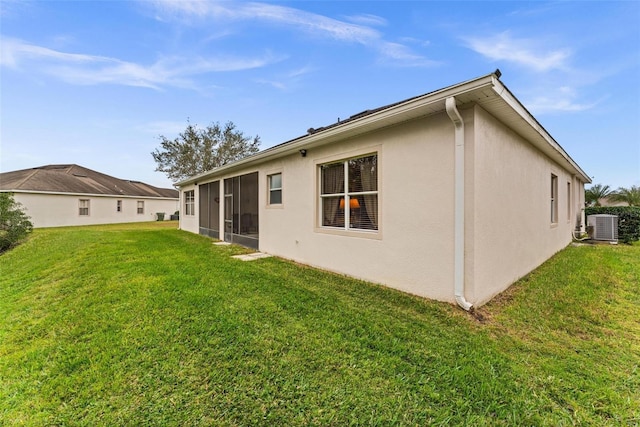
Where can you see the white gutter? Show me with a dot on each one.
(459, 238)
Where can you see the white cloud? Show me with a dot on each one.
(367, 19)
(553, 83)
(547, 104)
(15, 51)
(360, 31)
(288, 80)
(300, 71)
(562, 99)
(90, 69)
(526, 52)
(305, 21)
(395, 52)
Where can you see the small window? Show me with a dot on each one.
(84, 207)
(554, 199)
(568, 201)
(275, 189)
(119, 206)
(189, 202)
(349, 194)
(140, 207)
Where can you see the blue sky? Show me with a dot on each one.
(96, 82)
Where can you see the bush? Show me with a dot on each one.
(628, 220)
(14, 223)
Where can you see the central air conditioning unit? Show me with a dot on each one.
(605, 227)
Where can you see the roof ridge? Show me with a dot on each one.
(35, 171)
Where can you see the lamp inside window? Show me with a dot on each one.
(353, 203)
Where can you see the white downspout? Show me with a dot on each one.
(459, 240)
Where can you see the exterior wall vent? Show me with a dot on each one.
(604, 227)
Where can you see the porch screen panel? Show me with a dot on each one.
(214, 205)
(204, 206)
(236, 204)
(228, 206)
(248, 204)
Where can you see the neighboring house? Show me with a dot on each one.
(452, 195)
(60, 195)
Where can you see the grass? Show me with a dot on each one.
(143, 324)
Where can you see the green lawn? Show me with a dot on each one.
(148, 325)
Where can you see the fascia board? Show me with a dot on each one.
(387, 117)
(545, 141)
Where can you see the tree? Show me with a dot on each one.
(593, 195)
(629, 195)
(195, 150)
(14, 223)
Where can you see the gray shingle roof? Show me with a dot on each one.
(77, 180)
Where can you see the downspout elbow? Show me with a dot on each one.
(459, 209)
(463, 303)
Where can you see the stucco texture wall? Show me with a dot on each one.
(509, 227)
(49, 210)
(189, 222)
(413, 248)
(507, 217)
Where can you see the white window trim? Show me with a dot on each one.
(569, 202)
(554, 199)
(190, 203)
(138, 207)
(88, 207)
(269, 174)
(345, 157)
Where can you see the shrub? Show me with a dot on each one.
(628, 220)
(14, 223)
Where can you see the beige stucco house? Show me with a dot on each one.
(61, 195)
(452, 195)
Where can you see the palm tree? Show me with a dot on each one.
(629, 195)
(593, 195)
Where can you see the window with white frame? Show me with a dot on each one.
(189, 202)
(554, 199)
(275, 189)
(83, 208)
(118, 205)
(140, 207)
(568, 201)
(349, 193)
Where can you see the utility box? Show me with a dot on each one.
(603, 227)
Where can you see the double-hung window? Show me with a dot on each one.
(83, 207)
(554, 199)
(349, 193)
(140, 207)
(189, 202)
(118, 205)
(568, 202)
(275, 189)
